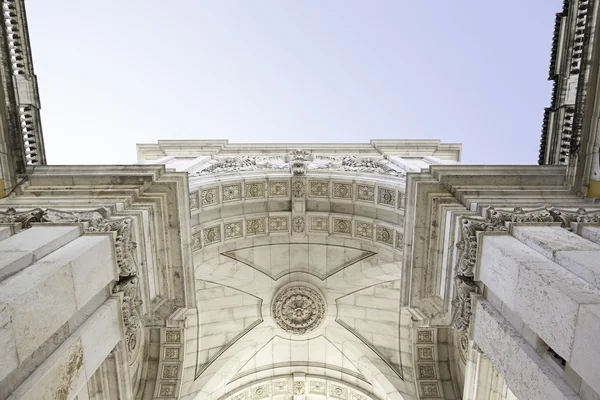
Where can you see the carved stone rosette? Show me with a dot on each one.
(98, 221)
(298, 309)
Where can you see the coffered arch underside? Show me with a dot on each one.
(340, 234)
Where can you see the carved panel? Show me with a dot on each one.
(342, 226)
(281, 387)
(233, 230)
(194, 200)
(337, 392)
(425, 353)
(317, 387)
(170, 371)
(319, 224)
(364, 229)
(427, 371)
(425, 336)
(365, 193)
(167, 389)
(210, 196)
(278, 224)
(171, 353)
(299, 388)
(298, 188)
(173, 337)
(197, 240)
(255, 226)
(385, 235)
(212, 235)
(430, 389)
(386, 197)
(319, 188)
(399, 244)
(356, 396)
(232, 192)
(278, 188)
(260, 392)
(342, 190)
(255, 190)
(298, 224)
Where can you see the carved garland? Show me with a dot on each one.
(495, 220)
(298, 162)
(124, 246)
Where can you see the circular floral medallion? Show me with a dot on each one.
(298, 308)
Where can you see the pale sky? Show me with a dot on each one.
(114, 73)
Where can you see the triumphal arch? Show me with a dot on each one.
(384, 270)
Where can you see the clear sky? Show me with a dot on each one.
(114, 73)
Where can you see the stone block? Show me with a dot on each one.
(586, 347)
(584, 264)
(525, 372)
(30, 245)
(548, 240)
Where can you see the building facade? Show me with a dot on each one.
(381, 271)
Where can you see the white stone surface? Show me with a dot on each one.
(67, 370)
(526, 373)
(30, 245)
(574, 252)
(547, 297)
(38, 300)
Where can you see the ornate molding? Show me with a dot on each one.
(461, 317)
(468, 243)
(98, 221)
